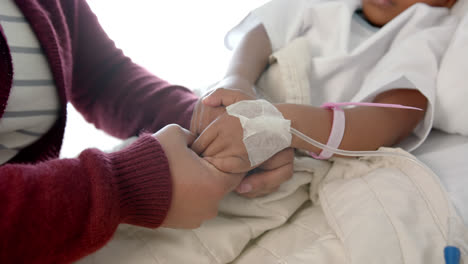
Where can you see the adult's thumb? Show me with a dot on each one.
(188, 136)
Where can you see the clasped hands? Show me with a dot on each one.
(220, 141)
(210, 161)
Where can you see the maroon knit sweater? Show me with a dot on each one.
(59, 210)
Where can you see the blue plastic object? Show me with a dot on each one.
(452, 255)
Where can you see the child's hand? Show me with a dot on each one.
(221, 143)
(212, 105)
(203, 115)
(225, 97)
(237, 83)
(269, 176)
(197, 186)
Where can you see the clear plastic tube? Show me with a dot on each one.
(349, 153)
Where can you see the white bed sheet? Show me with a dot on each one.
(447, 155)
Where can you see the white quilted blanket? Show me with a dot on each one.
(366, 210)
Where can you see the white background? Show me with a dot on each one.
(181, 41)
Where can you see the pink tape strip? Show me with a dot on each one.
(333, 105)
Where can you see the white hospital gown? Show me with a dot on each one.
(324, 52)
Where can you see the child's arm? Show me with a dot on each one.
(249, 60)
(367, 128)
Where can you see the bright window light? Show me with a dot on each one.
(181, 41)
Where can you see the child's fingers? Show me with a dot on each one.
(230, 164)
(205, 139)
(224, 97)
(218, 97)
(217, 147)
(209, 115)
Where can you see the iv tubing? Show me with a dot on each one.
(359, 153)
(450, 252)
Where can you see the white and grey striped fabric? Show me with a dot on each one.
(33, 104)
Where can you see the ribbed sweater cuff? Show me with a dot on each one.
(144, 181)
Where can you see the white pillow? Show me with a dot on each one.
(451, 109)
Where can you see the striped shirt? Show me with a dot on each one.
(33, 104)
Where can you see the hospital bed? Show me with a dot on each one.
(447, 155)
(446, 149)
(337, 233)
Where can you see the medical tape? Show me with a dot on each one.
(266, 131)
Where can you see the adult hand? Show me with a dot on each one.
(197, 186)
(269, 176)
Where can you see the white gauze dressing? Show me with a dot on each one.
(266, 132)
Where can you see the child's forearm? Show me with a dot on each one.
(250, 57)
(367, 128)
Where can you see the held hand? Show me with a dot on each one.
(221, 143)
(203, 115)
(269, 176)
(237, 83)
(213, 104)
(226, 97)
(197, 186)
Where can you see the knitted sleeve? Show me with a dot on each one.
(61, 210)
(114, 93)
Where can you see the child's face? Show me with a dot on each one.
(380, 12)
